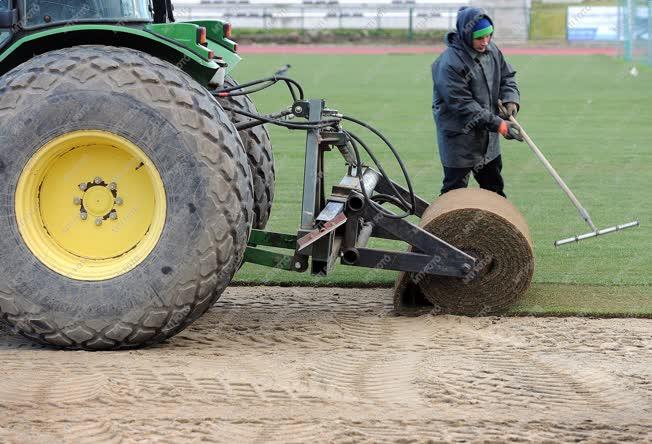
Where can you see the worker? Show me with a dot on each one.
(470, 77)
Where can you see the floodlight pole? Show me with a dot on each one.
(649, 32)
(628, 34)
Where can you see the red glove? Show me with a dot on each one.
(510, 131)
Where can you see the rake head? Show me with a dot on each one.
(597, 233)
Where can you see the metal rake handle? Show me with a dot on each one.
(537, 152)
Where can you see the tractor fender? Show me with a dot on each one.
(194, 62)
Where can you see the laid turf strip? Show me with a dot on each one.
(585, 300)
(588, 115)
(545, 299)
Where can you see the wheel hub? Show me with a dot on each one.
(87, 167)
(98, 200)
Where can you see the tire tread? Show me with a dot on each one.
(259, 152)
(148, 78)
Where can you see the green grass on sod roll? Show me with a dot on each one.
(589, 116)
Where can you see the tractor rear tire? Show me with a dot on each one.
(259, 152)
(127, 199)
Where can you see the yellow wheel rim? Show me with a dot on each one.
(90, 205)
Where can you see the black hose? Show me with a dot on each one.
(368, 201)
(289, 81)
(244, 85)
(244, 92)
(405, 204)
(388, 198)
(358, 164)
(292, 93)
(254, 122)
(261, 84)
(291, 84)
(396, 156)
(289, 125)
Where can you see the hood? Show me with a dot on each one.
(466, 19)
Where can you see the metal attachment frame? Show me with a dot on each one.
(340, 226)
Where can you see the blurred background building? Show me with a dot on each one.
(625, 23)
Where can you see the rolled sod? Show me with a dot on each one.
(489, 227)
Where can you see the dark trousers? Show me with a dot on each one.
(487, 176)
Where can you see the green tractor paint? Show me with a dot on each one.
(202, 49)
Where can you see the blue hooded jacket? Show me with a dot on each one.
(466, 94)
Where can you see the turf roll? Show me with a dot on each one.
(490, 228)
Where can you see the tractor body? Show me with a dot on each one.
(31, 27)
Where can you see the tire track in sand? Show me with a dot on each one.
(372, 369)
(50, 387)
(491, 367)
(342, 370)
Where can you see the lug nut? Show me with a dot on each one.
(118, 200)
(297, 265)
(113, 215)
(113, 186)
(98, 221)
(76, 200)
(298, 110)
(98, 180)
(83, 186)
(83, 215)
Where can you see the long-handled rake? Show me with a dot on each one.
(583, 213)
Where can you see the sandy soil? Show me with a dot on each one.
(301, 364)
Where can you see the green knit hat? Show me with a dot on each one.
(482, 28)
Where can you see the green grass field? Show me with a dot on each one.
(587, 113)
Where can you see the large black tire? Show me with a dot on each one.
(201, 162)
(259, 151)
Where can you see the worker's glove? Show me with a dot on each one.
(507, 109)
(510, 131)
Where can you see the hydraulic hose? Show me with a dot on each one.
(412, 206)
(240, 90)
(289, 125)
(352, 139)
(261, 84)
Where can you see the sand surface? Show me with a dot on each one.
(302, 365)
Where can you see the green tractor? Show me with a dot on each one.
(128, 192)
(137, 177)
